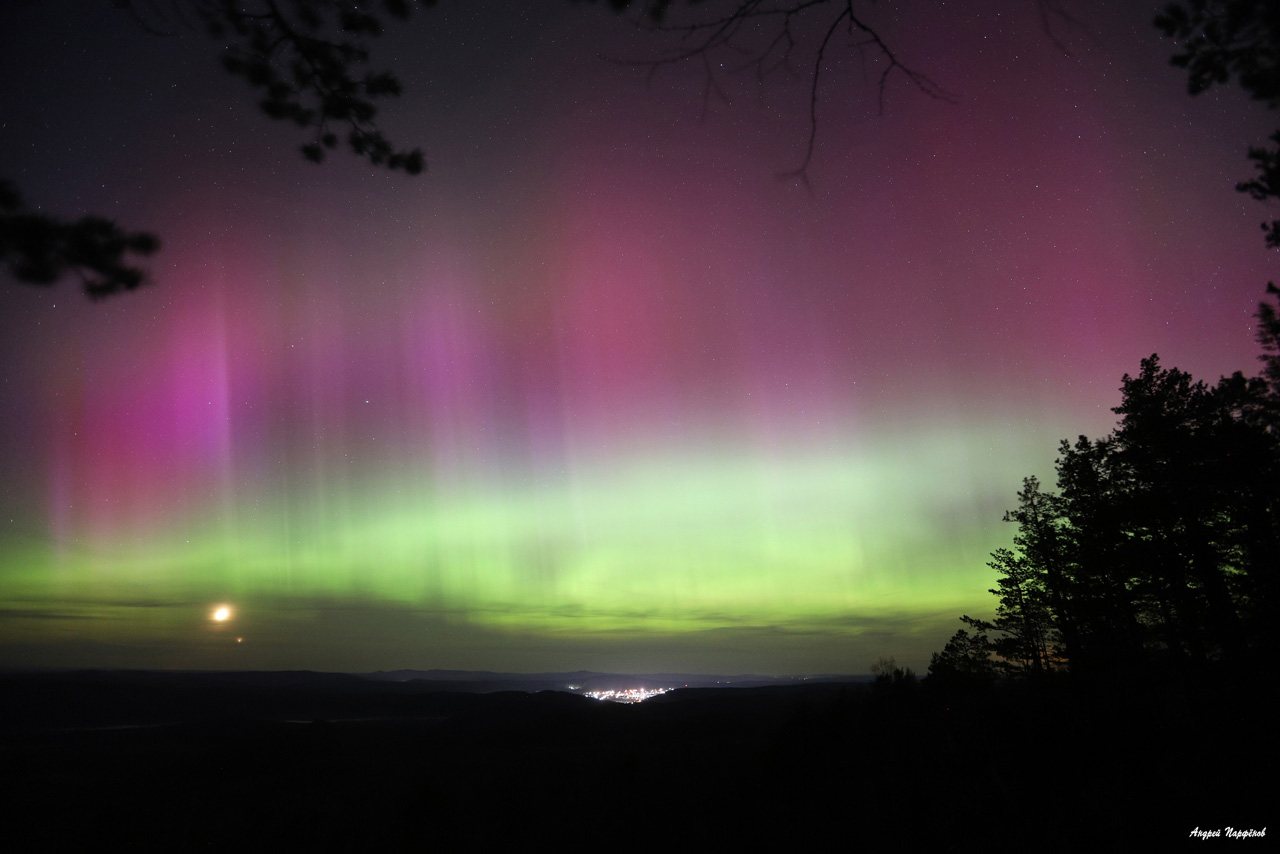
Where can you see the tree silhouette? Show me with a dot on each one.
(889, 676)
(304, 57)
(1161, 544)
(767, 38)
(1028, 639)
(307, 59)
(39, 249)
(1223, 40)
(1269, 340)
(965, 663)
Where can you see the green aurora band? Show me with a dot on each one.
(829, 542)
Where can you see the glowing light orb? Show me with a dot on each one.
(221, 614)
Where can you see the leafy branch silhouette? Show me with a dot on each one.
(39, 249)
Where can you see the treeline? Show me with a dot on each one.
(1160, 548)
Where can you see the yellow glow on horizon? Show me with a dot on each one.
(221, 614)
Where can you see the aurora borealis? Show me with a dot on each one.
(598, 390)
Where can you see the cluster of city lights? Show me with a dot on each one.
(626, 695)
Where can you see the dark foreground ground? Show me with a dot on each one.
(314, 762)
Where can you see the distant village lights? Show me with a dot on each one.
(626, 695)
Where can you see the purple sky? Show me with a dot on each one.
(599, 389)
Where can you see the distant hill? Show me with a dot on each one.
(484, 681)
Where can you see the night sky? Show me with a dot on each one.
(599, 389)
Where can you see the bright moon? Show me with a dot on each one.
(222, 613)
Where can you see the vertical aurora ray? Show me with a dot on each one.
(598, 390)
(434, 469)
